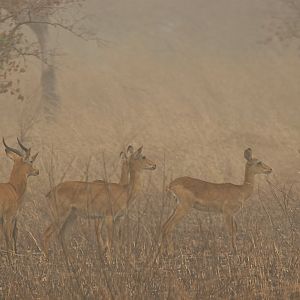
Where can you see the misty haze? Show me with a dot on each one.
(197, 83)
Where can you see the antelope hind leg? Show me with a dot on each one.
(178, 214)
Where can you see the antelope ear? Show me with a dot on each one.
(123, 155)
(248, 154)
(130, 150)
(138, 152)
(34, 157)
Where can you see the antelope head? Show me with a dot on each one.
(254, 165)
(139, 162)
(23, 160)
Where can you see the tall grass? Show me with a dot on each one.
(266, 265)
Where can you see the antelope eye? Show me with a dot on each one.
(144, 157)
(259, 163)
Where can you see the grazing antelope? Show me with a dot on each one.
(106, 201)
(11, 193)
(225, 198)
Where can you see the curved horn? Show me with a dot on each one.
(27, 150)
(22, 146)
(11, 149)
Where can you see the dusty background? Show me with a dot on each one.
(197, 81)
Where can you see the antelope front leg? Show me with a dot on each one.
(110, 228)
(232, 228)
(9, 226)
(117, 227)
(15, 234)
(98, 231)
(1, 230)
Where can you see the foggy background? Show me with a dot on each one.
(194, 81)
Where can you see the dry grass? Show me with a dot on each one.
(266, 265)
(198, 95)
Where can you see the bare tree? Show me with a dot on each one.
(285, 25)
(16, 46)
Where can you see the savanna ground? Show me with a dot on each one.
(195, 84)
(266, 265)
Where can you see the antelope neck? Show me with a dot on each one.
(124, 175)
(134, 184)
(249, 180)
(18, 181)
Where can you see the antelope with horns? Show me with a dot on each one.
(11, 192)
(106, 201)
(225, 198)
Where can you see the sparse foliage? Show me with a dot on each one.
(285, 25)
(16, 46)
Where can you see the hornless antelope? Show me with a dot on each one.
(106, 201)
(225, 198)
(11, 193)
(124, 178)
